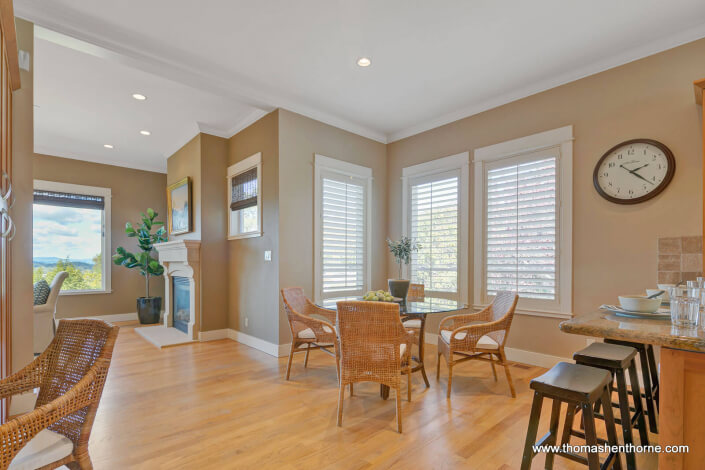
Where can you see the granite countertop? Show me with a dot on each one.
(604, 324)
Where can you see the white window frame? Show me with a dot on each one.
(562, 139)
(233, 170)
(461, 162)
(326, 164)
(106, 193)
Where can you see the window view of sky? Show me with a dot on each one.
(66, 232)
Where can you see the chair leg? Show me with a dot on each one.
(654, 373)
(450, 378)
(494, 369)
(638, 404)
(337, 362)
(610, 427)
(291, 356)
(507, 373)
(531, 432)
(624, 417)
(438, 368)
(591, 436)
(398, 395)
(308, 350)
(568, 425)
(553, 429)
(341, 394)
(648, 391)
(408, 385)
(83, 462)
(351, 389)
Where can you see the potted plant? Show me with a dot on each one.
(148, 308)
(401, 250)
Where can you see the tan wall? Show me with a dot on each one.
(614, 246)
(133, 191)
(299, 139)
(214, 244)
(187, 162)
(253, 282)
(21, 212)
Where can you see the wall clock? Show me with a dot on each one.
(634, 171)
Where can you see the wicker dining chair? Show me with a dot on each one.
(374, 347)
(70, 375)
(307, 332)
(416, 293)
(480, 335)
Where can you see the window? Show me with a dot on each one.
(71, 232)
(342, 228)
(436, 217)
(244, 198)
(523, 224)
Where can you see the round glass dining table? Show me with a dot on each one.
(410, 311)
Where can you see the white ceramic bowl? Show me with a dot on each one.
(639, 303)
(666, 287)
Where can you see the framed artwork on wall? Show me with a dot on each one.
(178, 200)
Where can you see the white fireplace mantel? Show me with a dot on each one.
(182, 258)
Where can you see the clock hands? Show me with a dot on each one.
(634, 172)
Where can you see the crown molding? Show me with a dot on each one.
(52, 152)
(73, 29)
(645, 50)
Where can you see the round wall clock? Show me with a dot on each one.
(634, 171)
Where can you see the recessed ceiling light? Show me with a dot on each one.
(108, 146)
(139, 96)
(145, 133)
(364, 62)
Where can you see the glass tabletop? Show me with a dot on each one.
(428, 305)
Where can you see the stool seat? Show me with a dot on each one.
(573, 382)
(613, 356)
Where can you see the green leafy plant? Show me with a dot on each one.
(147, 265)
(401, 250)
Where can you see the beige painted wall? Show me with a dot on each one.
(254, 283)
(614, 246)
(204, 159)
(299, 139)
(21, 212)
(133, 191)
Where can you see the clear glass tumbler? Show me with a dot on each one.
(685, 311)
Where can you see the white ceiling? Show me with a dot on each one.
(432, 62)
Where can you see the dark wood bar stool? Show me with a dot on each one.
(649, 373)
(618, 360)
(580, 387)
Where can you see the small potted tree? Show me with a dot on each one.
(401, 250)
(148, 308)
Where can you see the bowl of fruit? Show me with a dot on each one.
(380, 296)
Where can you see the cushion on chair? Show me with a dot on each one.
(309, 334)
(41, 292)
(415, 323)
(485, 342)
(44, 448)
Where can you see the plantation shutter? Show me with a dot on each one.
(521, 225)
(244, 190)
(81, 201)
(343, 241)
(434, 210)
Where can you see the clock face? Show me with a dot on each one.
(634, 171)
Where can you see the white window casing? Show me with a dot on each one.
(342, 229)
(235, 218)
(435, 215)
(523, 222)
(106, 216)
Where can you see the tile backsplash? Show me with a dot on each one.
(679, 259)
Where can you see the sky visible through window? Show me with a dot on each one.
(68, 233)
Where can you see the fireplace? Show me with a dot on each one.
(181, 307)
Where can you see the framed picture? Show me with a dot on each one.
(178, 200)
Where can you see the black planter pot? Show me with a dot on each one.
(148, 309)
(399, 288)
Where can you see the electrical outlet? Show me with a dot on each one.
(268, 255)
(247, 321)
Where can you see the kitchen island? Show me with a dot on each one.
(682, 382)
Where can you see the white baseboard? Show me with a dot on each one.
(259, 344)
(114, 317)
(213, 335)
(518, 355)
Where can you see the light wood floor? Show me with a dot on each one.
(224, 405)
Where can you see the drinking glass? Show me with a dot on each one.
(692, 284)
(701, 281)
(685, 311)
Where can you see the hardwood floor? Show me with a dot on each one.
(222, 405)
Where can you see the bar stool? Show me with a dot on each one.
(579, 386)
(649, 373)
(617, 360)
